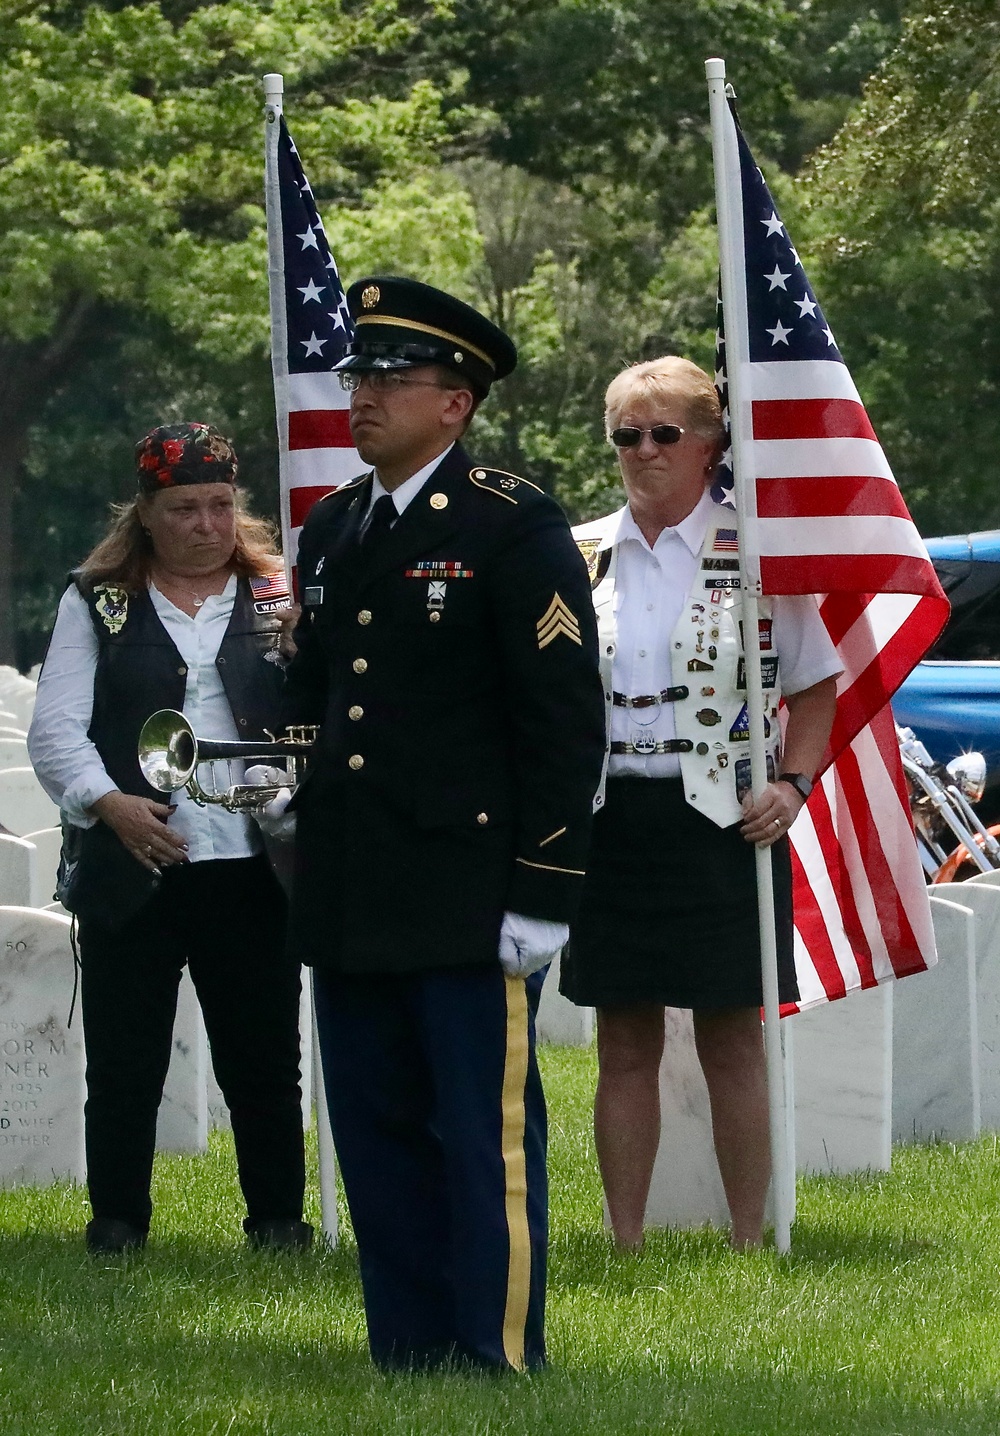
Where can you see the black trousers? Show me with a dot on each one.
(226, 920)
(439, 1121)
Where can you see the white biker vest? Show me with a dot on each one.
(707, 659)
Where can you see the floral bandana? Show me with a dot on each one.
(184, 454)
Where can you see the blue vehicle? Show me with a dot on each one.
(952, 699)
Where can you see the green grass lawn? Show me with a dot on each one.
(884, 1319)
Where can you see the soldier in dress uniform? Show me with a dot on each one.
(447, 646)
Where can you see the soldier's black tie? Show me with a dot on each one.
(383, 516)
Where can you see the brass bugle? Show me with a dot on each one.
(170, 755)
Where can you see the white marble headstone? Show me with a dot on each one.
(559, 1020)
(935, 1041)
(182, 1121)
(24, 804)
(984, 900)
(48, 845)
(990, 879)
(13, 752)
(41, 1059)
(843, 1084)
(20, 704)
(17, 861)
(686, 1190)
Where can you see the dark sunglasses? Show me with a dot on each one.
(660, 434)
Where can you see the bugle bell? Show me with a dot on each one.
(170, 755)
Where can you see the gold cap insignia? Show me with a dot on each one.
(439, 501)
(557, 618)
(370, 296)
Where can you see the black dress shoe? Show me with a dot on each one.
(279, 1234)
(107, 1236)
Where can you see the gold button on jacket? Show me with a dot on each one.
(475, 695)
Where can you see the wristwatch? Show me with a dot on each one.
(802, 785)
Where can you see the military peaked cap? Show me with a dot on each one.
(400, 323)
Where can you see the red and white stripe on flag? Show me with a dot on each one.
(311, 327)
(321, 452)
(825, 516)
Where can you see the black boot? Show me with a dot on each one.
(107, 1236)
(279, 1234)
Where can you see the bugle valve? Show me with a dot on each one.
(170, 756)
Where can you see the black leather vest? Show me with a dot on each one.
(139, 670)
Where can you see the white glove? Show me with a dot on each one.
(529, 943)
(272, 819)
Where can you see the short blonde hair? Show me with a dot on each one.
(669, 377)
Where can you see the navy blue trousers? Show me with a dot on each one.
(439, 1122)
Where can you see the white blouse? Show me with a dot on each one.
(652, 587)
(69, 766)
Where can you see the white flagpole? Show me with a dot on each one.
(729, 208)
(274, 86)
(273, 90)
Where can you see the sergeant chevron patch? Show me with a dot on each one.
(556, 619)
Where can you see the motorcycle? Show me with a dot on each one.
(941, 803)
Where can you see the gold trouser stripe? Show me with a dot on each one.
(515, 1075)
(425, 329)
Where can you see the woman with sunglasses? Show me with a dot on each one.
(669, 912)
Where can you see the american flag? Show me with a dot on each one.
(825, 516)
(310, 326)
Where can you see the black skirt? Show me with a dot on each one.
(669, 909)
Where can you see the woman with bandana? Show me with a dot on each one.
(178, 606)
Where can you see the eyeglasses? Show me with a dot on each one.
(383, 381)
(659, 433)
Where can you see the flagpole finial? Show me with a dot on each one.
(715, 69)
(274, 88)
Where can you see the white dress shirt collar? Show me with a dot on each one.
(410, 487)
(691, 530)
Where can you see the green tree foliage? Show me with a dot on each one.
(130, 199)
(908, 235)
(549, 160)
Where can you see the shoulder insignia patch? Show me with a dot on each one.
(270, 592)
(598, 560)
(112, 606)
(557, 619)
(498, 482)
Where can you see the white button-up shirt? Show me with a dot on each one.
(652, 588)
(407, 491)
(69, 766)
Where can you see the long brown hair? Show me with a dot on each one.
(124, 555)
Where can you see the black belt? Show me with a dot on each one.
(668, 745)
(650, 700)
